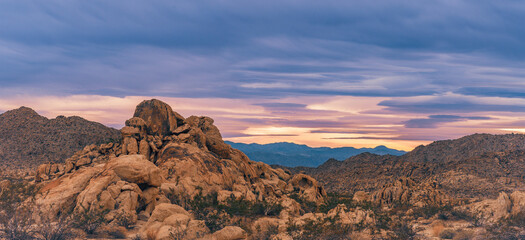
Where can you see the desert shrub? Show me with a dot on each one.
(177, 234)
(124, 219)
(504, 232)
(206, 207)
(239, 207)
(59, 230)
(402, 231)
(242, 207)
(367, 205)
(137, 237)
(266, 234)
(464, 235)
(400, 207)
(447, 234)
(116, 232)
(306, 205)
(201, 203)
(178, 198)
(17, 223)
(509, 228)
(443, 216)
(517, 220)
(89, 220)
(430, 211)
(462, 215)
(16, 211)
(382, 220)
(326, 228)
(216, 215)
(334, 199)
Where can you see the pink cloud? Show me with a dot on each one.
(315, 121)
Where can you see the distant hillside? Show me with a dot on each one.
(292, 155)
(474, 165)
(465, 147)
(28, 139)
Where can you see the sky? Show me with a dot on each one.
(322, 73)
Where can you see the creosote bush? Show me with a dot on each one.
(306, 205)
(89, 219)
(55, 230)
(16, 211)
(217, 215)
(325, 228)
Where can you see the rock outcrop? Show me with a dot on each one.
(406, 191)
(164, 160)
(491, 211)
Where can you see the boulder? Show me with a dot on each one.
(164, 210)
(196, 229)
(177, 220)
(518, 202)
(128, 131)
(229, 233)
(136, 169)
(137, 123)
(356, 216)
(308, 187)
(268, 225)
(47, 171)
(144, 148)
(158, 116)
(361, 196)
(491, 210)
(130, 146)
(213, 140)
(60, 195)
(4, 184)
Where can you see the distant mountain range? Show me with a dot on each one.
(292, 155)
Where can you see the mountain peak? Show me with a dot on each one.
(28, 139)
(21, 112)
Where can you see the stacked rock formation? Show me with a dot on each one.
(406, 191)
(163, 159)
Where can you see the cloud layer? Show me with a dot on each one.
(355, 72)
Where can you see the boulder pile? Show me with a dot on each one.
(163, 161)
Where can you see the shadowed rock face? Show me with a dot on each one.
(159, 117)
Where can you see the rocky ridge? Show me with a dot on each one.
(475, 182)
(28, 139)
(463, 175)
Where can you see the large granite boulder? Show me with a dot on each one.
(158, 116)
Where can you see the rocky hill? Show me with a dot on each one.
(469, 146)
(28, 139)
(475, 165)
(293, 155)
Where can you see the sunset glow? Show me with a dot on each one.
(271, 72)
